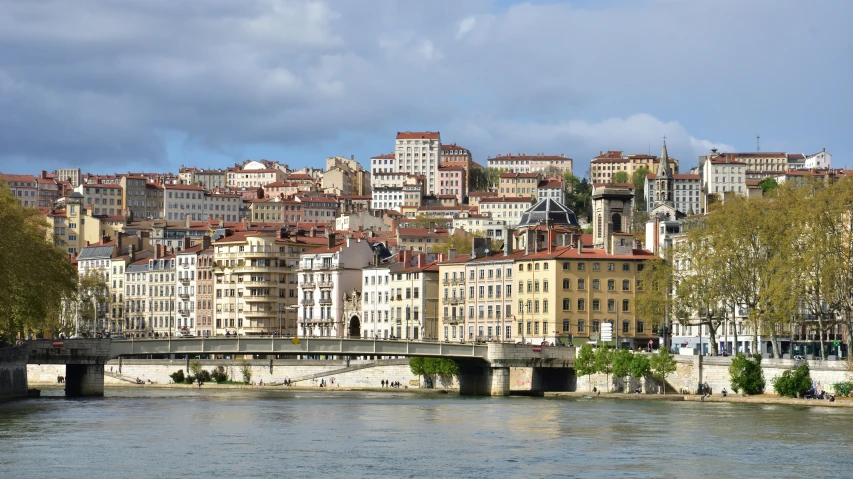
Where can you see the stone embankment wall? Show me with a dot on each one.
(693, 370)
(158, 371)
(13, 373)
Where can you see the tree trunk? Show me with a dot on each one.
(712, 338)
(820, 338)
(734, 326)
(776, 351)
(755, 338)
(849, 333)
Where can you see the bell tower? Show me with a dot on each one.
(664, 180)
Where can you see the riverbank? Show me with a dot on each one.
(759, 399)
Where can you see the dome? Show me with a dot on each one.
(548, 210)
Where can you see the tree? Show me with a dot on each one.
(428, 221)
(604, 362)
(35, 270)
(585, 363)
(622, 363)
(430, 367)
(195, 367)
(640, 366)
(639, 179)
(653, 298)
(662, 364)
(620, 177)
(460, 240)
(746, 374)
(793, 383)
(246, 371)
(767, 185)
(92, 299)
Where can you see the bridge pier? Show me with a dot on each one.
(84, 380)
(483, 380)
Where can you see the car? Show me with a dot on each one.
(182, 334)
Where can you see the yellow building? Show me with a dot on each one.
(603, 166)
(567, 293)
(75, 226)
(414, 304)
(521, 185)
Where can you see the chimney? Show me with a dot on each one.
(313, 232)
(105, 239)
(205, 242)
(451, 254)
(158, 251)
(420, 259)
(580, 246)
(330, 237)
(187, 243)
(187, 221)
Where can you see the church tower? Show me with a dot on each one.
(664, 181)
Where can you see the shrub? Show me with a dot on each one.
(843, 388)
(219, 374)
(746, 374)
(204, 375)
(189, 379)
(195, 367)
(246, 371)
(793, 382)
(178, 376)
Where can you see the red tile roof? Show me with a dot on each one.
(418, 135)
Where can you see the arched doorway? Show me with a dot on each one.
(354, 327)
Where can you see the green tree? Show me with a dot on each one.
(639, 180)
(640, 366)
(746, 374)
(621, 177)
(460, 240)
(430, 367)
(622, 363)
(653, 298)
(767, 185)
(428, 221)
(604, 362)
(662, 364)
(195, 367)
(585, 363)
(36, 273)
(793, 383)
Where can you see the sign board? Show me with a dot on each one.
(295, 340)
(606, 332)
(537, 349)
(58, 343)
(593, 336)
(837, 343)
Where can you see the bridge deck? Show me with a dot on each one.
(328, 346)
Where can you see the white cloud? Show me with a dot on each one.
(465, 26)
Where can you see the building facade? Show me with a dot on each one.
(419, 153)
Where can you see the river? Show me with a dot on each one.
(168, 433)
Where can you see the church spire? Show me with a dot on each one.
(663, 166)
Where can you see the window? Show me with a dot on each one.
(596, 305)
(595, 326)
(626, 285)
(545, 266)
(596, 266)
(566, 284)
(521, 267)
(596, 284)
(581, 305)
(537, 267)
(567, 304)
(581, 266)
(626, 266)
(545, 285)
(625, 326)
(581, 284)
(544, 305)
(566, 325)
(611, 285)
(611, 267)
(611, 305)
(640, 327)
(640, 266)
(566, 266)
(580, 326)
(625, 306)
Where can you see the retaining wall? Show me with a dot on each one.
(13, 373)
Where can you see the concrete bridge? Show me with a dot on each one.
(484, 368)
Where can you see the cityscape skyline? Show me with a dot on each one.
(142, 87)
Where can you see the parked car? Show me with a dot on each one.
(182, 334)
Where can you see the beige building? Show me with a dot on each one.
(419, 153)
(521, 185)
(539, 163)
(74, 226)
(414, 298)
(105, 199)
(612, 212)
(141, 199)
(603, 166)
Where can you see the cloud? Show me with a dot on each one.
(96, 83)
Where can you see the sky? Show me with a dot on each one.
(152, 85)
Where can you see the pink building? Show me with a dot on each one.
(452, 181)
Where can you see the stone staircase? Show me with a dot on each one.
(120, 377)
(348, 369)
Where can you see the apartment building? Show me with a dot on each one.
(136, 304)
(207, 179)
(553, 188)
(603, 166)
(414, 298)
(106, 199)
(520, 185)
(419, 153)
(24, 187)
(540, 163)
(256, 282)
(193, 201)
(452, 180)
(71, 175)
(376, 300)
(267, 209)
(48, 190)
(722, 176)
(140, 198)
(162, 297)
(566, 293)
(317, 208)
(480, 223)
(324, 276)
(97, 259)
(686, 193)
(253, 174)
(506, 208)
(386, 163)
(453, 155)
(187, 260)
(74, 226)
(205, 285)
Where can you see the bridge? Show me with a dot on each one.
(484, 368)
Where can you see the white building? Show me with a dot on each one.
(686, 193)
(553, 188)
(376, 301)
(361, 220)
(507, 209)
(193, 201)
(721, 176)
(532, 163)
(323, 278)
(419, 153)
(253, 174)
(105, 199)
(383, 164)
(483, 223)
(818, 161)
(387, 197)
(186, 287)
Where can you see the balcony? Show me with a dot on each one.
(257, 254)
(456, 300)
(184, 295)
(260, 283)
(185, 281)
(328, 267)
(325, 284)
(257, 299)
(307, 285)
(325, 301)
(457, 281)
(184, 265)
(450, 320)
(307, 302)
(263, 313)
(184, 312)
(445, 281)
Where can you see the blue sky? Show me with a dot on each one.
(153, 85)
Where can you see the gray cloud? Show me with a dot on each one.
(98, 83)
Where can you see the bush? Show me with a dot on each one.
(219, 374)
(204, 375)
(178, 376)
(794, 382)
(189, 379)
(246, 371)
(746, 374)
(843, 388)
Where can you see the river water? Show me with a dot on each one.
(168, 433)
